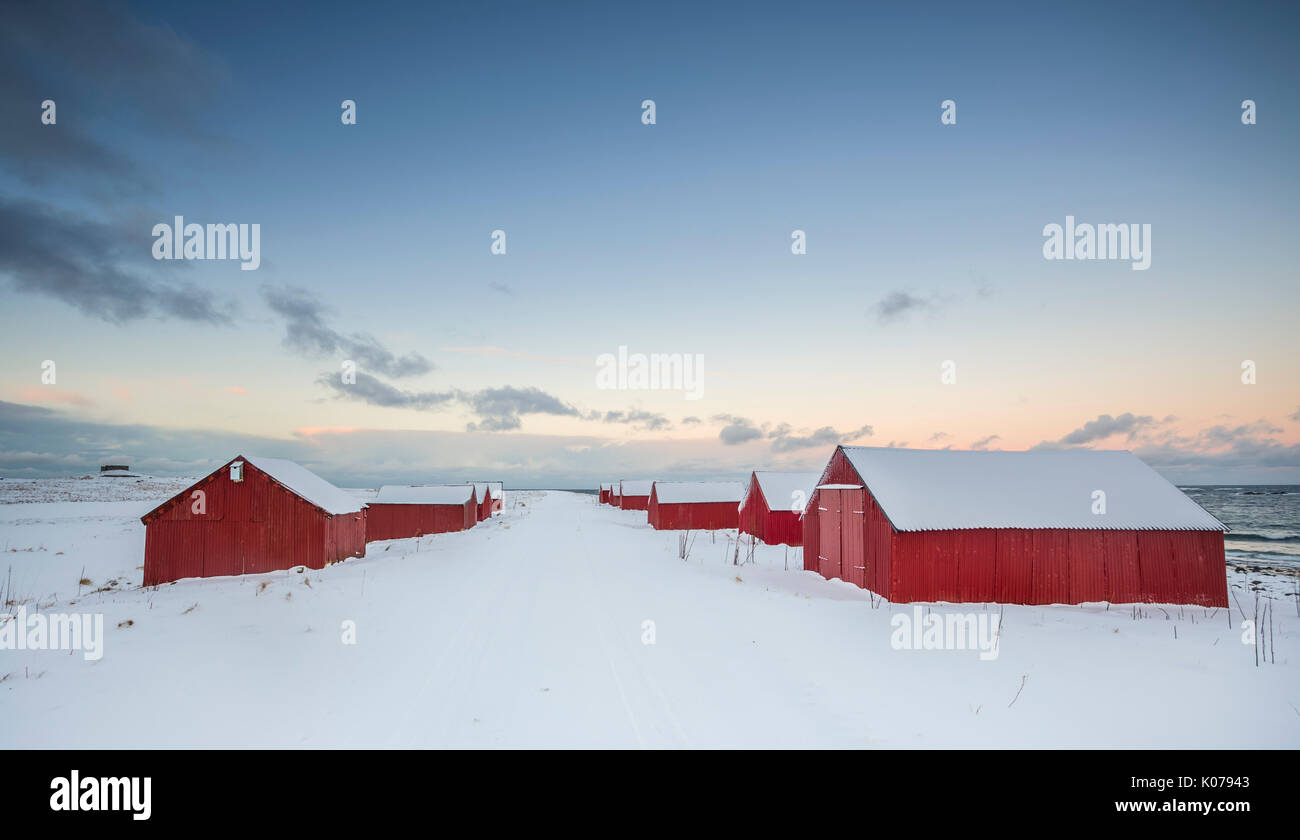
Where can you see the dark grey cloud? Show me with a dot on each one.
(693, 421)
(983, 443)
(307, 332)
(646, 420)
(374, 391)
(738, 430)
(92, 266)
(938, 436)
(99, 63)
(500, 409)
(785, 440)
(1102, 427)
(898, 305)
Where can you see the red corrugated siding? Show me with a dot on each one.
(252, 526)
(395, 522)
(774, 527)
(811, 526)
(634, 502)
(603, 496)
(1020, 566)
(700, 516)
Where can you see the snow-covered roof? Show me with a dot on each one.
(635, 488)
(453, 494)
(943, 489)
(780, 489)
(698, 492)
(307, 484)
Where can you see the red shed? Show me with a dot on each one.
(614, 498)
(772, 503)
(603, 495)
(484, 492)
(399, 512)
(497, 491)
(694, 505)
(1037, 527)
(252, 515)
(634, 495)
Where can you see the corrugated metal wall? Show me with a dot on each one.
(634, 502)
(700, 516)
(393, 522)
(773, 527)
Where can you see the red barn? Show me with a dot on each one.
(694, 505)
(252, 515)
(1038, 527)
(634, 495)
(484, 491)
(399, 512)
(603, 495)
(614, 498)
(497, 490)
(772, 503)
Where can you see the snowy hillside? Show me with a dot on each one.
(562, 622)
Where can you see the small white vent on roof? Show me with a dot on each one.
(237, 471)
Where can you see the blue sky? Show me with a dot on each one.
(673, 237)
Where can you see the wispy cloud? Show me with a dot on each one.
(90, 265)
(307, 332)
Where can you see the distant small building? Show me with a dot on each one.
(634, 495)
(116, 471)
(400, 512)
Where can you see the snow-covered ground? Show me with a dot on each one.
(530, 630)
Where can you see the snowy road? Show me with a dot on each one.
(566, 623)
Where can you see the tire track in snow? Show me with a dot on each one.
(651, 689)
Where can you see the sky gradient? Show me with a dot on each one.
(924, 241)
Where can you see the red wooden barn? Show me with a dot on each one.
(252, 515)
(484, 491)
(400, 512)
(1037, 527)
(772, 503)
(498, 493)
(694, 505)
(634, 495)
(603, 495)
(614, 498)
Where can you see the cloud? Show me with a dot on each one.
(693, 421)
(641, 419)
(784, 440)
(376, 392)
(500, 409)
(896, 306)
(1295, 416)
(92, 267)
(1101, 428)
(738, 430)
(99, 63)
(983, 443)
(500, 287)
(938, 436)
(306, 332)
